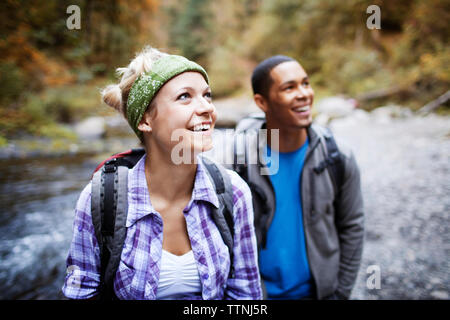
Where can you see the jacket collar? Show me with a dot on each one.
(139, 203)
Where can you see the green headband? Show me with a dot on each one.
(146, 86)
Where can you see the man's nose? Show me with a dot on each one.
(302, 92)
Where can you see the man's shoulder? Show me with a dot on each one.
(253, 121)
(342, 145)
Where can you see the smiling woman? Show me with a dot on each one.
(173, 247)
(183, 113)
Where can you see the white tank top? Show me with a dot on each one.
(178, 276)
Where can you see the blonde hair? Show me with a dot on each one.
(116, 95)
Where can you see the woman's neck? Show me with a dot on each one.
(167, 179)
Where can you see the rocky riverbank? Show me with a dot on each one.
(405, 171)
(97, 135)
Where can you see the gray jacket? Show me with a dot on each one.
(333, 222)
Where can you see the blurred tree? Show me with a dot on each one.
(191, 30)
(228, 37)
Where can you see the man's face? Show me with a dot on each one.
(290, 97)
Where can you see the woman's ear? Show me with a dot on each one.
(261, 102)
(145, 125)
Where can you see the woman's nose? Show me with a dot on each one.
(204, 106)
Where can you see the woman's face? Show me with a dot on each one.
(181, 117)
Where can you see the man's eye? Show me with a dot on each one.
(289, 88)
(183, 96)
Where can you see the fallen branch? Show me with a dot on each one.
(380, 93)
(430, 106)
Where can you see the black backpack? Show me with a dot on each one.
(109, 208)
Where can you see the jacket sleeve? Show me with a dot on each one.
(349, 222)
(83, 261)
(245, 285)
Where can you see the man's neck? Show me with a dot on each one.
(291, 139)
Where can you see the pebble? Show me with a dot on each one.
(439, 294)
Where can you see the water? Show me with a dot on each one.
(38, 197)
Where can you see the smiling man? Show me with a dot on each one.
(309, 210)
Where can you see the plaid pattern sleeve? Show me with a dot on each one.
(83, 261)
(246, 283)
(138, 273)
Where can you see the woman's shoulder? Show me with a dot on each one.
(236, 179)
(86, 192)
(240, 187)
(84, 200)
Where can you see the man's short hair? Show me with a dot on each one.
(261, 79)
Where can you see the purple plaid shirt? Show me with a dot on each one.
(139, 268)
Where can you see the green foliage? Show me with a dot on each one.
(225, 80)
(68, 104)
(331, 41)
(12, 82)
(40, 114)
(351, 70)
(3, 141)
(190, 33)
(57, 131)
(49, 73)
(422, 54)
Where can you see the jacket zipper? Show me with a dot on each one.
(270, 218)
(308, 155)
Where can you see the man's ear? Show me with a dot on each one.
(261, 102)
(145, 125)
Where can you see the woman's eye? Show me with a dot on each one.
(306, 83)
(208, 95)
(183, 96)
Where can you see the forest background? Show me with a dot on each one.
(51, 75)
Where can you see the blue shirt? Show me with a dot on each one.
(284, 263)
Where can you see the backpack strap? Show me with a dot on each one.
(127, 158)
(109, 207)
(338, 166)
(334, 161)
(119, 231)
(223, 216)
(102, 222)
(240, 161)
(96, 191)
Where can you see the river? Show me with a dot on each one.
(37, 197)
